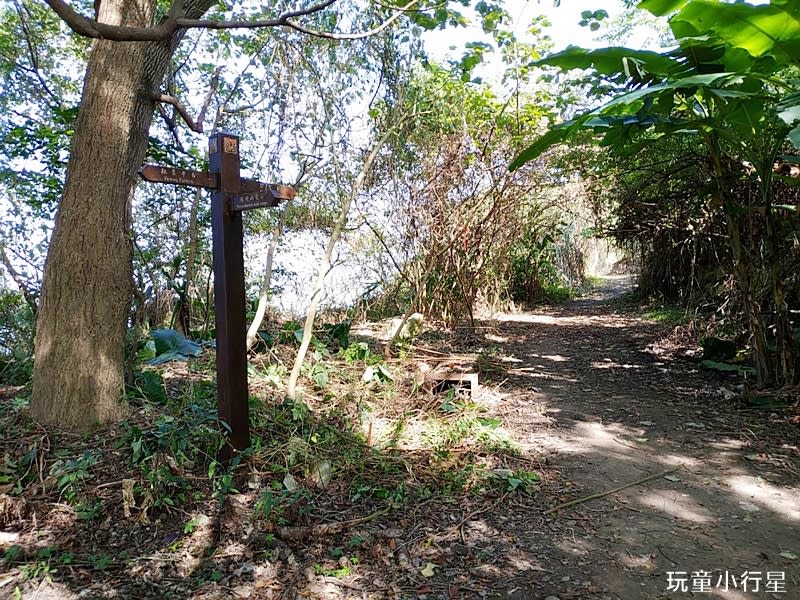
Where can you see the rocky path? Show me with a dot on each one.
(718, 512)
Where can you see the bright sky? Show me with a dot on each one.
(565, 30)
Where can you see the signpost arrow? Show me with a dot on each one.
(159, 174)
(231, 194)
(265, 198)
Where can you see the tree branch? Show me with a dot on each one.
(27, 293)
(351, 36)
(34, 56)
(187, 118)
(164, 30)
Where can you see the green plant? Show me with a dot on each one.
(523, 481)
(216, 576)
(16, 338)
(173, 445)
(291, 333)
(357, 352)
(100, 562)
(730, 85)
(89, 510)
(13, 554)
(337, 335)
(70, 473)
(275, 500)
(666, 313)
(148, 385)
(37, 569)
(18, 471)
(320, 374)
(274, 374)
(190, 526)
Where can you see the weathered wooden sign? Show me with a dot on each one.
(231, 194)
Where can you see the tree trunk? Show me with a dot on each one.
(325, 266)
(266, 282)
(743, 271)
(86, 290)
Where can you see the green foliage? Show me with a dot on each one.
(731, 86)
(522, 481)
(358, 352)
(17, 470)
(149, 386)
(291, 333)
(70, 473)
(173, 445)
(536, 274)
(16, 339)
(465, 424)
(276, 500)
(718, 71)
(666, 313)
(336, 335)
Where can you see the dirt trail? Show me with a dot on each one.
(584, 393)
(594, 406)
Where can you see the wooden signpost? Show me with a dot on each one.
(231, 194)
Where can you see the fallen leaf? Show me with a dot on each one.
(320, 472)
(788, 555)
(369, 373)
(429, 571)
(671, 478)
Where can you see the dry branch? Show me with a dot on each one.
(610, 492)
(296, 534)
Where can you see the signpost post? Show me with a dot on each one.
(231, 194)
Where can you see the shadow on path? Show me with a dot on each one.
(581, 390)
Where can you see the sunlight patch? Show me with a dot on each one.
(610, 364)
(754, 490)
(677, 504)
(556, 357)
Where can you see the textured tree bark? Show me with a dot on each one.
(743, 271)
(80, 331)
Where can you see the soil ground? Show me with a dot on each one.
(597, 399)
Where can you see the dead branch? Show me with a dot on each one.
(610, 492)
(296, 534)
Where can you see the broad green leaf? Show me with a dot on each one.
(662, 7)
(794, 137)
(790, 115)
(384, 373)
(766, 29)
(555, 136)
(612, 61)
